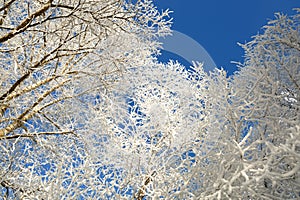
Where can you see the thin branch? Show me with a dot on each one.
(25, 23)
(141, 193)
(6, 5)
(31, 135)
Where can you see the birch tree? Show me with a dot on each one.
(59, 60)
(87, 112)
(258, 152)
(159, 137)
(190, 135)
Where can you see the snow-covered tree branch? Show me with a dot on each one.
(87, 111)
(60, 60)
(259, 140)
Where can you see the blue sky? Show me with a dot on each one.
(219, 25)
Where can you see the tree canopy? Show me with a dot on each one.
(87, 111)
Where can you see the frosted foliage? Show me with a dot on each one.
(87, 112)
(59, 62)
(258, 153)
(160, 116)
(166, 99)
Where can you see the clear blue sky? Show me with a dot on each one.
(218, 24)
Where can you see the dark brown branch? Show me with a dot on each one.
(141, 193)
(14, 86)
(6, 5)
(25, 23)
(3, 16)
(64, 6)
(31, 135)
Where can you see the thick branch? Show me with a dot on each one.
(30, 88)
(14, 86)
(31, 111)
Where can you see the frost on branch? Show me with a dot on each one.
(258, 151)
(158, 126)
(87, 112)
(59, 60)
